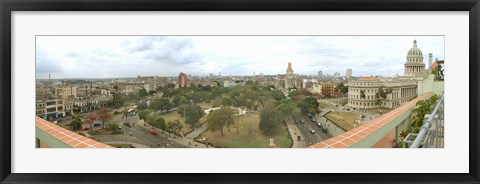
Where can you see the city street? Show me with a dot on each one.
(140, 134)
(310, 138)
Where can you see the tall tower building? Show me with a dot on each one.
(348, 74)
(430, 55)
(290, 77)
(320, 74)
(414, 65)
(182, 80)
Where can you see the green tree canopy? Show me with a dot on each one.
(193, 112)
(289, 110)
(143, 114)
(270, 121)
(220, 118)
(309, 105)
(142, 93)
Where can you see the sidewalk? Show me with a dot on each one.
(196, 132)
(333, 129)
(292, 128)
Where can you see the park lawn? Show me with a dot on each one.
(338, 101)
(324, 105)
(345, 120)
(375, 110)
(245, 138)
(172, 116)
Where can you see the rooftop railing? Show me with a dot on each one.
(431, 132)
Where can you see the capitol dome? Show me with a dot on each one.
(414, 65)
(415, 51)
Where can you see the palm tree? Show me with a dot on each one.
(76, 123)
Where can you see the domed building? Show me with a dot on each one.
(362, 93)
(414, 65)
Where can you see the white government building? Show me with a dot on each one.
(404, 88)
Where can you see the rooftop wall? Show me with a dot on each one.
(55, 136)
(368, 134)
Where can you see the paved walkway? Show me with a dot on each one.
(294, 132)
(184, 141)
(195, 133)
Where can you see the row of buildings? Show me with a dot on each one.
(54, 100)
(400, 89)
(362, 91)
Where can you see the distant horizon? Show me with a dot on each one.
(97, 57)
(74, 78)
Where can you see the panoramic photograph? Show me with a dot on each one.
(239, 91)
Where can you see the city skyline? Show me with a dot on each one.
(130, 56)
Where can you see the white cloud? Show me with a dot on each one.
(129, 56)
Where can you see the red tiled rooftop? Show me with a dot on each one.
(349, 138)
(71, 138)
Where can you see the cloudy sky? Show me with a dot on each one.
(129, 56)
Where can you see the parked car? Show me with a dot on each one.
(96, 124)
(302, 121)
(153, 132)
(319, 124)
(86, 128)
(309, 115)
(313, 119)
(311, 130)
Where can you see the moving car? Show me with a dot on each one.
(313, 119)
(302, 121)
(311, 130)
(319, 124)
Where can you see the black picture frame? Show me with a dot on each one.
(8, 6)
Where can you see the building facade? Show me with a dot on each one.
(288, 80)
(50, 109)
(402, 91)
(182, 80)
(362, 93)
(65, 91)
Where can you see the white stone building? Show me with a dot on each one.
(403, 89)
